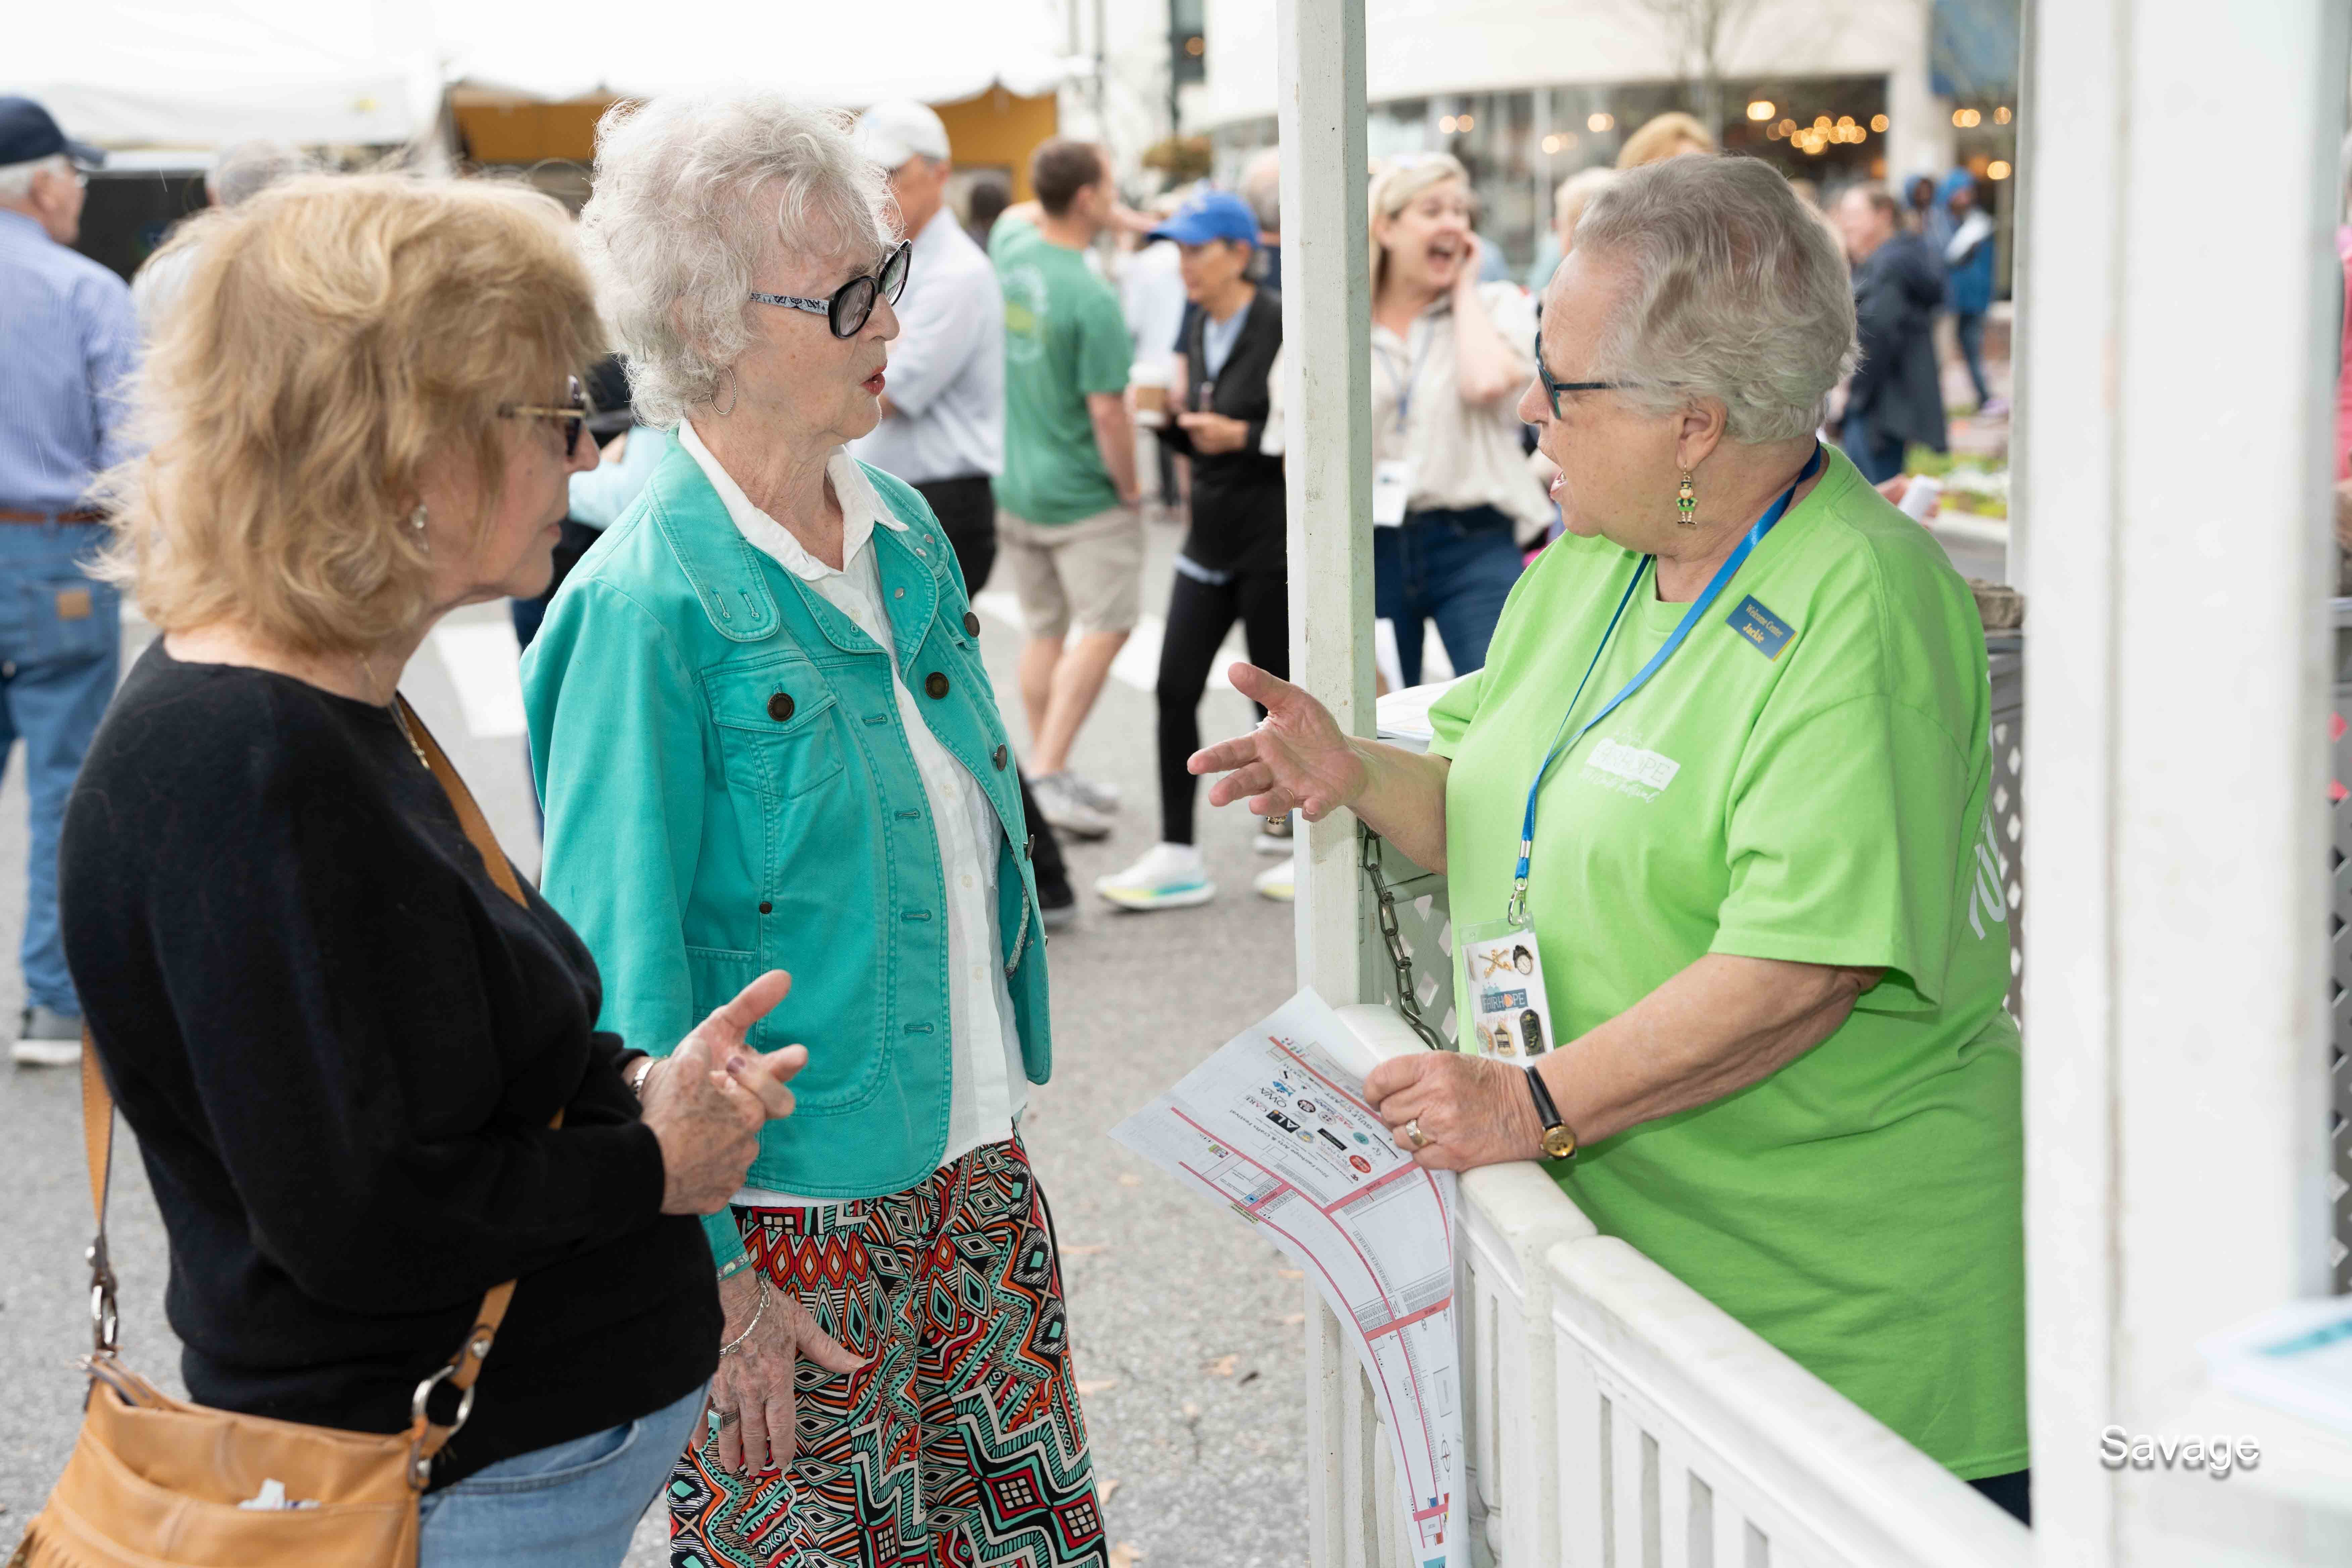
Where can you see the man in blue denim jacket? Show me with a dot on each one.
(68, 339)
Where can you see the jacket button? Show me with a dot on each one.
(972, 622)
(780, 707)
(766, 907)
(999, 759)
(936, 684)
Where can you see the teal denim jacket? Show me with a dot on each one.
(729, 790)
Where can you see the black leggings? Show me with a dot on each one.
(1199, 615)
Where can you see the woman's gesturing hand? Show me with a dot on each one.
(1297, 760)
(706, 1102)
(1469, 1111)
(751, 1393)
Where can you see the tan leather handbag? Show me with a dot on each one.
(156, 1480)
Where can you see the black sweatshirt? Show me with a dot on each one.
(1237, 496)
(339, 1046)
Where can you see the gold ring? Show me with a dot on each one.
(1413, 1131)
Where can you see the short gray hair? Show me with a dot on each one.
(16, 179)
(1261, 186)
(1737, 294)
(692, 191)
(246, 169)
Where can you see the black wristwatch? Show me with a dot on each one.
(1558, 1142)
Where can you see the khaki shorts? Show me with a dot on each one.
(1091, 571)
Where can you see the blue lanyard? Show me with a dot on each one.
(1699, 606)
(1411, 375)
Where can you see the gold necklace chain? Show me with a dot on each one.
(367, 662)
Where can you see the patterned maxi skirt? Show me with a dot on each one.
(959, 1443)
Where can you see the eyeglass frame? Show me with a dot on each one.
(574, 415)
(1552, 389)
(833, 309)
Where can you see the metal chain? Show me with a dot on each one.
(1408, 1001)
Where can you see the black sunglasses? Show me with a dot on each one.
(571, 416)
(853, 302)
(1552, 389)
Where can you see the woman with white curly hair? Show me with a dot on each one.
(1725, 776)
(765, 739)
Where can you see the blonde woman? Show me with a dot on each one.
(1452, 492)
(339, 1040)
(1670, 135)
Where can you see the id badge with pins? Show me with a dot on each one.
(1503, 991)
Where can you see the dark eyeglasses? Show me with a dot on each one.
(853, 302)
(571, 416)
(1552, 389)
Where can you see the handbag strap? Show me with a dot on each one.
(426, 1436)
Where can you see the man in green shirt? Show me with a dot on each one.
(1066, 528)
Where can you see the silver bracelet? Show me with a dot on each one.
(731, 1346)
(638, 1078)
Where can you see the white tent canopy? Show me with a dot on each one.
(202, 73)
(839, 52)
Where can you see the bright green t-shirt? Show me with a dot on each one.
(1065, 337)
(1825, 803)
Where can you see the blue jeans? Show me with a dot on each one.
(1452, 567)
(567, 1505)
(1968, 328)
(60, 652)
(1880, 459)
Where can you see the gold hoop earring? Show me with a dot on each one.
(1686, 502)
(734, 393)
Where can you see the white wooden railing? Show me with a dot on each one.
(1616, 1419)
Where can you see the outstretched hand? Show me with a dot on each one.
(1297, 759)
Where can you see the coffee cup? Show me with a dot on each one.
(1149, 381)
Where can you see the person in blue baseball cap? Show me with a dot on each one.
(67, 338)
(1233, 566)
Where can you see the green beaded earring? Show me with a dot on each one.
(1685, 501)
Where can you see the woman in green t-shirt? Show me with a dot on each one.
(1746, 701)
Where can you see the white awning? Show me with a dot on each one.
(839, 52)
(151, 73)
(203, 73)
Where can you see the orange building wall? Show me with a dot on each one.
(997, 129)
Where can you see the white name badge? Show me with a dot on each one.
(1502, 970)
(1393, 484)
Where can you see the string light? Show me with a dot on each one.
(1599, 123)
(1787, 128)
(1465, 122)
(2001, 116)
(1761, 110)
(1445, 124)
(1967, 119)
(1997, 169)
(1878, 124)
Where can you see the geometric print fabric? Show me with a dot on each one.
(959, 1443)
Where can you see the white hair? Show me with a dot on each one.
(1736, 294)
(16, 179)
(694, 191)
(246, 169)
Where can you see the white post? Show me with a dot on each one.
(2179, 388)
(1327, 390)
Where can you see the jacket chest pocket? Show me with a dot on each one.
(779, 725)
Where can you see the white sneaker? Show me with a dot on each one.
(46, 1038)
(1278, 881)
(1274, 836)
(1169, 876)
(1064, 808)
(1103, 797)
